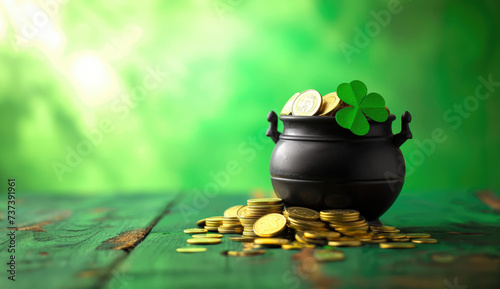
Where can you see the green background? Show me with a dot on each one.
(218, 68)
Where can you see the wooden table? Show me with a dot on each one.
(129, 241)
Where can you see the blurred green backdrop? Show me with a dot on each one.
(126, 96)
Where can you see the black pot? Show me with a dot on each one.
(320, 165)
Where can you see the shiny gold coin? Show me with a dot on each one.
(383, 228)
(348, 212)
(229, 231)
(287, 109)
(299, 236)
(212, 229)
(201, 223)
(424, 241)
(242, 239)
(312, 224)
(204, 241)
(269, 225)
(231, 212)
(376, 241)
(302, 213)
(215, 219)
(331, 104)
(352, 243)
(401, 240)
(264, 201)
(247, 253)
(291, 247)
(395, 236)
(321, 235)
(354, 233)
(191, 250)
(328, 255)
(307, 103)
(271, 241)
(208, 236)
(397, 245)
(417, 235)
(195, 231)
(241, 212)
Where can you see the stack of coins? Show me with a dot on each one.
(304, 219)
(260, 207)
(265, 219)
(231, 225)
(212, 224)
(255, 209)
(347, 222)
(246, 222)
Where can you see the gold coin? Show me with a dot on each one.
(417, 235)
(424, 241)
(383, 228)
(292, 246)
(312, 224)
(230, 231)
(346, 243)
(321, 235)
(375, 241)
(340, 212)
(195, 231)
(397, 245)
(242, 239)
(204, 241)
(402, 240)
(395, 236)
(241, 213)
(331, 104)
(299, 236)
(271, 241)
(264, 201)
(245, 253)
(269, 225)
(327, 255)
(287, 109)
(231, 212)
(191, 250)
(215, 219)
(302, 213)
(201, 223)
(354, 233)
(307, 103)
(211, 229)
(208, 236)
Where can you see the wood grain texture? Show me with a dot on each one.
(129, 242)
(60, 239)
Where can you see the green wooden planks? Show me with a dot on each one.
(156, 264)
(62, 240)
(71, 240)
(462, 256)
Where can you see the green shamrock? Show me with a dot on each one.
(353, 117)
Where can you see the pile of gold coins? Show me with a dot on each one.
(265, 223)
(311, 103)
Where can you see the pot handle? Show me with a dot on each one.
(405, 133)
(273, 132)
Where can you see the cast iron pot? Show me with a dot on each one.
(320, 165)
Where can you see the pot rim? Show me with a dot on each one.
(316, 118)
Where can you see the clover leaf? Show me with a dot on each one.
(361, 105)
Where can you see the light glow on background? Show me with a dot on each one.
(92, 78)
(186, 84)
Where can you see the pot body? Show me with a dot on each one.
(318, 164)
